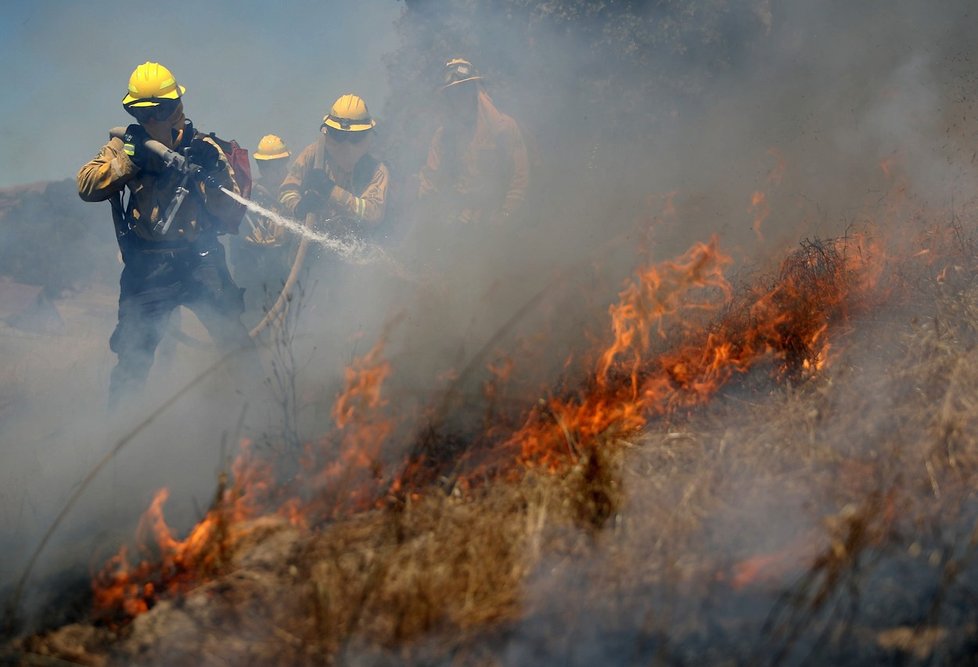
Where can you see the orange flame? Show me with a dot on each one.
(678, 333)
(350, 480)
(760, 210)
(759, 206)
(788, 321)
(171, 565)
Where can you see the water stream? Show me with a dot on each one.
(350, 249)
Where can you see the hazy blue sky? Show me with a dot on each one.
(250, 67)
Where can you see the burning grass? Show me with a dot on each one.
(819, 506)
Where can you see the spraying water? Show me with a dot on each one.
(350, 249)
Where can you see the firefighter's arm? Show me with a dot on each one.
(106, 174)
(220, 176)
(371, 206)
(290, 192)
(429, 172)
(519, 169)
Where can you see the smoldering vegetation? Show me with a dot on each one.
(824, 518)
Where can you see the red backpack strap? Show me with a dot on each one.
(238, 157)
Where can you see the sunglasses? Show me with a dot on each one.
(163, 110)
(343, 137)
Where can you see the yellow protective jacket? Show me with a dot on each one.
(151, 190)
(484, 173)
(360, 195)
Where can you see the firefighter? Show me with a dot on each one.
(477, 168)
(350, 190)
(262, 255)
(165, 267)
(273, 161)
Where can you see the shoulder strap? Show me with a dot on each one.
(119, 221)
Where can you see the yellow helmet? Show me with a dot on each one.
(349, 114)
(459, 70)
(151, 83)
(271, 147)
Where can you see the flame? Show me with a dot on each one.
(350, 479)
(760, 210)
(759, 206)
(658, 292)
(171, 565)
(677, 334)
(632, 383)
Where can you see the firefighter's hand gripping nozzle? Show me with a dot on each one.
(171, 159)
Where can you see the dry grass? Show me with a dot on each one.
(830, 519)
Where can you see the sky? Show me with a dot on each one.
(251, 67)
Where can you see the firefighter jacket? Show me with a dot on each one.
(151, 190)
(481, 171)
(359, 196)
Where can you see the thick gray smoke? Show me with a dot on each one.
(632, 160)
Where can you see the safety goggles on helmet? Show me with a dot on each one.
(163, 110)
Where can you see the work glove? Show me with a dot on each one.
(310, 202)
(317, 181)
(316, 195)
(205, 155)
(133, 143)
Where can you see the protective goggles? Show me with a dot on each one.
(163, 110)
(342, 136)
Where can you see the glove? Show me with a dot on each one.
(204, 154)
(317, 181)
(311, 202)
(133, 143)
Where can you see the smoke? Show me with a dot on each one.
(649, 128)
(249, 70)
(852, 99)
